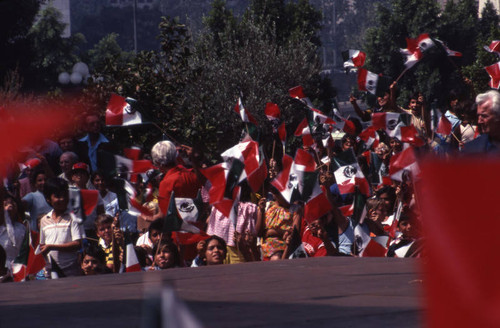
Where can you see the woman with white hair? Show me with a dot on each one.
(183, 182)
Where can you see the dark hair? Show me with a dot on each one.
(171, 248)
(35, 173)
(94, 251)
(219, 239)
(55, 186)
(98, 173)
(390, 191)
(156, 225)
(103, 219)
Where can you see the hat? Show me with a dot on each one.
(32, 163)
(80, 166)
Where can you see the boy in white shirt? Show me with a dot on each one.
(60, 234)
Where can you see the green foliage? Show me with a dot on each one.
(189, 89)
(106, 51)
(16, 19)
(53, 54)
(436, 74)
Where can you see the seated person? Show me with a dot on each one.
(93, 259)
(407, 244)
(108, 233)
(214, 251)
(166, 256)
(315, 239)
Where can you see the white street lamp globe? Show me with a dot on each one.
(63, 78)
(81, 68)
(76, 78)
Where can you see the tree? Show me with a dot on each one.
(488, 31)
(107, 51)
(16, 19)
(435, 74)
(53, 54)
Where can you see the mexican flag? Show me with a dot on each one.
(305, 131)
(390, 122)
(367, 246)
(348, 173)
(29, 261)
(373, 83)
(298, 93)
(494, 73)
(353, 58)
(120, 111)
(173, 220)
(255, 168)
(416, 48)
(131, 261)
(273, 114)
(246, 117)
(225, 178)
(493, 47)
(402, 162)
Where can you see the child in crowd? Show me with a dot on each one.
(110, 240)
(93, 261)
(166, 256)
(60, 235)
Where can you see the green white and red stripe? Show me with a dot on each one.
(120, 112)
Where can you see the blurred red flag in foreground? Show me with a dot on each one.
(26, 124)
(461, 218)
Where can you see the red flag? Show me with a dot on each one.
(461, 282)
(444, 126)
(245, 115)
(298, 93)
(403, 161)
(131, 261)
(120, 112)
(304, 131)
(493, 47)
(89, 200)
(133, 153)
(282, 133)
(272, 111)
(494, 72)
(410, 135)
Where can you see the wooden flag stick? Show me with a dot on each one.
(274, 145)
(401, 75)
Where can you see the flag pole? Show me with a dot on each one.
(165, 133)
(274, 146)
(400, 75)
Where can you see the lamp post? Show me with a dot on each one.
(79, 74)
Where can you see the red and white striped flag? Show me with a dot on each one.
(120, 112)
(131, 261)
(493, 47)
(494, 72)
(246, 117)
(304, 130)
(298, 93)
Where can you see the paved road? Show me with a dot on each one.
(322, 292)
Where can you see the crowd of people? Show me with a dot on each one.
(43, 197)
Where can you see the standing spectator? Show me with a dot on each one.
(488, 121)
(89, 145)
(60, 234)
(35, 202)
